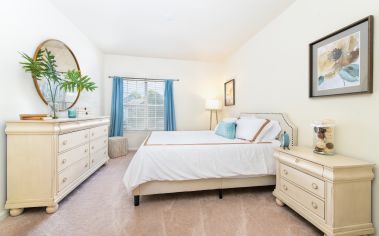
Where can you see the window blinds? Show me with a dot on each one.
(143, 105)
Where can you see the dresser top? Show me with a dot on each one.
(334, 161)
(60, 120)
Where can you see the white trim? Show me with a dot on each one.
(3, 214)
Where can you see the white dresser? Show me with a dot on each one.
(46, 160)
(332, 192)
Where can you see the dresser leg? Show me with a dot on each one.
(16, 211)
(278, 202)
(52, 209)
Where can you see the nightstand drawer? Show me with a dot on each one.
(301, 163)
(310, 202)
(306, 181)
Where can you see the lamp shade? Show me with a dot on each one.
(213, 104)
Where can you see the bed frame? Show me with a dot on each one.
(159, 187)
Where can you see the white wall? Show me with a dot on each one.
(23, 25)
(198, 81)
(271, 72)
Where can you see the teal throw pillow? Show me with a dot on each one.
(226, 130)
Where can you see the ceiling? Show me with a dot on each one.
(180, 29)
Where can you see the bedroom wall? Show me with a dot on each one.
(271, 72)
(23, 25)
(198, 82)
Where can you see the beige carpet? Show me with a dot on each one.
(101, 206)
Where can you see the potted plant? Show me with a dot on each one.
(44, 67)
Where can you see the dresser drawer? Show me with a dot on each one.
(304, 180)
(310, 202)
(98, 132)
(69, 157)
(70, 174)
(98, 144)
(301, 163)
(98, 156)
(70, 140)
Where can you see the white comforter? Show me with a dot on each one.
(189, 155)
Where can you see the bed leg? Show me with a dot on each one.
(136, 200)
(220, 194)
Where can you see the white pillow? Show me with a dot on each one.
(251, 129)
(260, 136)
(274, 131)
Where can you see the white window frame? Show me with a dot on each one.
(146, 108)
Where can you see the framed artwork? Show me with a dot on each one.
(229, 93)
(342, 62)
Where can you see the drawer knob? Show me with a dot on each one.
(285, 187)
(285, 172)
(86, 165)
(314, 186)
(314, 205)
(86, 136)
(86, 150)
(64, 180)
(93, 147)
(64, 161)
(64, 142)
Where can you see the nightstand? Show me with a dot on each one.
(331, 192)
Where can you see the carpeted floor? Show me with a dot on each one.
(101, 206)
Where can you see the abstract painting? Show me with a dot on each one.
(341, 63)
(229, 93)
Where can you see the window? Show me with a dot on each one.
(143, 105)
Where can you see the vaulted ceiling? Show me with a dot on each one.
(180, 29)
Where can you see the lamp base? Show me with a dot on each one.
(210, 120)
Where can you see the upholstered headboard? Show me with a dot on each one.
(284, 122)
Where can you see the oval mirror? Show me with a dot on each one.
(65, 60)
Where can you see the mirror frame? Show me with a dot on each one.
(36, 81)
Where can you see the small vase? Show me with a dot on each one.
(71, 113)
(53, 109)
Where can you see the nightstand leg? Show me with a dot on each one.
(278, 202)
(52, 209)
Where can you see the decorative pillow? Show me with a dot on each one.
(274, 131)
(227, 120)
(251, 129)
(226, 130)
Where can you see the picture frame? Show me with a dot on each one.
(342, 62)
(229, 93)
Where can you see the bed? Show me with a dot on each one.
(181, 161)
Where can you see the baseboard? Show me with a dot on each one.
(3, 214)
